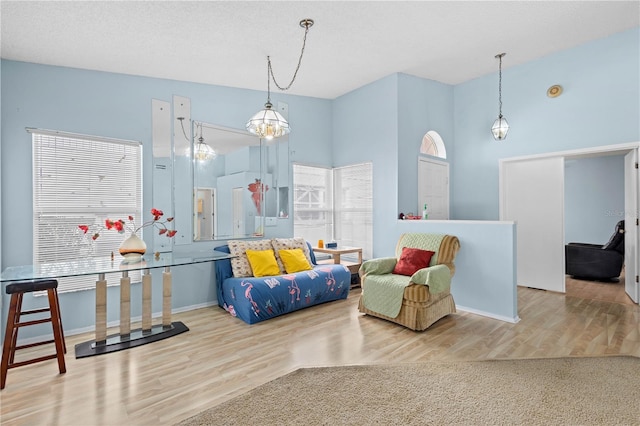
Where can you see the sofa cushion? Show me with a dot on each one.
(411, 260)
(289, 244)
(240, 264)
(263, 263)
(294, 260)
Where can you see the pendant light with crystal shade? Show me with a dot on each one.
(500, 126)
(269, 123)
(202, 151)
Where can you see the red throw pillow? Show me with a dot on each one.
(411, 260)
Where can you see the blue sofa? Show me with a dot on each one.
(255, 299)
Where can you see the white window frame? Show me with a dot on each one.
(346, 201)
(432, 144)
(82, 180)
(311, 181)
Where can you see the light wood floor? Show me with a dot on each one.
(221, 357)
(598, 290)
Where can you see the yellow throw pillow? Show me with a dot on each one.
(294, 260)
(263, 263)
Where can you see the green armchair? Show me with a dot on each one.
(416, 300)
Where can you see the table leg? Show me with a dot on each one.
(101, 309)
(336, 258)
(146, 300)
(125, 304)
(166, 297)
(128, 338)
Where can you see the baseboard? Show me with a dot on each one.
(514, 320)
(191, 307)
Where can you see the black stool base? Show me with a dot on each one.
(137, 337)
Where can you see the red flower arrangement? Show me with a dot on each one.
(120, 225)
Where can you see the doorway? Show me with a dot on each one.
(521, 177)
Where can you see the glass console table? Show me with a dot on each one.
(127, 338)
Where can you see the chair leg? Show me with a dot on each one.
(11, 334)
(58, 337)
(9, 337)
(64, 345)
(16, 321)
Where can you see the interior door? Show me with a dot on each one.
(238, 212)
(433, 188)
(214, 216)
(533, 197)
(631, 185)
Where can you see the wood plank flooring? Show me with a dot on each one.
(222, 357)
(598, 290)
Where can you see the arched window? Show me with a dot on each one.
(432, 144)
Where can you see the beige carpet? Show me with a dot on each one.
(554, 391)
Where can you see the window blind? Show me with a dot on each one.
(334, 204)
(82, 180)
(353, 207)
(312, 202)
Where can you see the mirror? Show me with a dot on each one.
(236, 182)
(182, 170)
(277, 165)
(162, 166)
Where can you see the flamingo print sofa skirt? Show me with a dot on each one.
(255, 299)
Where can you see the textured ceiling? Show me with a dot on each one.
(351, 44)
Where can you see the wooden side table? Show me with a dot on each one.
(336, 254)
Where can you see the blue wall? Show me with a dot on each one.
(594, 201)
(382, 122)
(423, 105)
(119, 106)
(600, 106)
(365, 128)
(601, 81)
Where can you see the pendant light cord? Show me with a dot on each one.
(181, 119)
(269, 81)
(500, 84)
(307, 23)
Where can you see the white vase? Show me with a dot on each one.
(132, 249)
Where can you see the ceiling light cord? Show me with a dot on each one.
(269, 81)
(269, 123)
(500, 85)
(306, 23)
(181, 119)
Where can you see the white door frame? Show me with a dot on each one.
(631, 195)
(214, 195)
(578, 153)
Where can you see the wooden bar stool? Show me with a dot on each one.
(17, 291)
